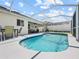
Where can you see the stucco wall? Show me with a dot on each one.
(62, 27)
(7, 19)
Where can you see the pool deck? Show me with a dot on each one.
(11, 49)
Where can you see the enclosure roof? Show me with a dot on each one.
(43, 10)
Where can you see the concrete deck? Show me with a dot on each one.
(11, 49)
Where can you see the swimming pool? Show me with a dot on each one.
(47, 42)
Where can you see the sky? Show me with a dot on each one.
(43, 10)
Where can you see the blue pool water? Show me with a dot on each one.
(46, 43)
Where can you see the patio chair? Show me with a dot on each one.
(19, 31)
(9, 31)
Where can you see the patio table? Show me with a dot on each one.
(3, 31)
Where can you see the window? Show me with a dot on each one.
(20, 22)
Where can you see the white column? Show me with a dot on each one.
(72, 26)
(77, 33)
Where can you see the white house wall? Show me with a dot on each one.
(77, 23)
(7, 19)
(62, 27)
(10, 19)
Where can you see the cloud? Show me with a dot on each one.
(77, 0)
(70, 13)
(24, 12)
(7, 4)
(70, 9)
(44, 7)
(21, 4)
(59, 2)
(57, 19)
(41, 15)
(55, 13)
(46, 3)
(38, 2)
(61, 12)
(51, 1)
(63, 8)
(55, 1)
(56, 16)
(51, 15)
(31, 13)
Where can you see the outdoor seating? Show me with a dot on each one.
(0, 36)
(0, 33)
(19, 31)
(9, 31)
